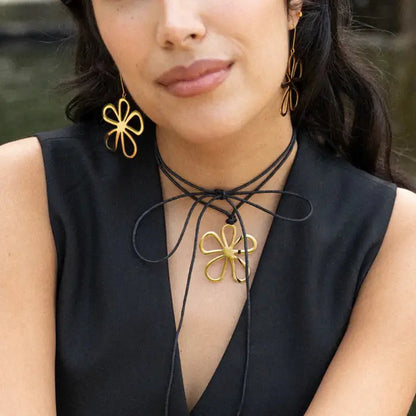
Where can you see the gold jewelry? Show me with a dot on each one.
(228, 252)
(294, 74)
(121, 121)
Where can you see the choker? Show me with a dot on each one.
(232, 251)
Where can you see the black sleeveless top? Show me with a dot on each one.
(115, 325)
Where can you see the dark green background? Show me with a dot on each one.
(33, 60)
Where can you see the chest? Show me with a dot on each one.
(213, 308)
(116, 326)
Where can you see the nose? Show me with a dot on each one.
(180, 25)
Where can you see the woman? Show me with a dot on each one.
(124, 283)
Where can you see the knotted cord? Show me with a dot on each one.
(207, 197)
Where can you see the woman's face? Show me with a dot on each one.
(233, 55)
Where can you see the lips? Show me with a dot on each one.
(201, 76)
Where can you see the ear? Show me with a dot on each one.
(294, 13)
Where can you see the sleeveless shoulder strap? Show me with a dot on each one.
(350, 204)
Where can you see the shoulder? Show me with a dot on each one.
(403, 219)
(355, 202)
(400, 240)
(23, 198)
(374, 371)
(22, 165)
(83, 136)
(337, 177)
(394, 268)
(27, 280)
(28, 163)
(78, 150)
(74, 156)
(384, 316)
(27, 238)
(22, 183)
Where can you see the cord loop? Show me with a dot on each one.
(235, 198)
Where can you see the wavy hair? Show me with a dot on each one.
(342, 104)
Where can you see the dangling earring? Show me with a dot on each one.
(123, 129)
(294, 74)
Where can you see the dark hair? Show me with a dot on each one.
(341, 105)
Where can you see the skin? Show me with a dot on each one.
(206, 128)
(231, 134)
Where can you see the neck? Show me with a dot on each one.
(229, 161)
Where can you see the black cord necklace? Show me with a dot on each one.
(228, 252)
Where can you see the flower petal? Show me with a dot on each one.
(123, 112)
(133, 115)
(243, 264)
(205, 237)
(284, 108)
(109, 136)
(249, 250)
(224, 268)
(294, 93)
(224, 237)
(108, 109)
(123, 145)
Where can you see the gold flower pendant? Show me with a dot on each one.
(122, 130)
(228, 252)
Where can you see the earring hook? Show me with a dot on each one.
(300, 14)
(122, 86)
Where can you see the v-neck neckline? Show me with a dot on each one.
(166, 281)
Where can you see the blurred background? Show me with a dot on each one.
(36, 53)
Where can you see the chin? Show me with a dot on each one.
(202, 129)
(210, 121)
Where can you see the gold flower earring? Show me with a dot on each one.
(123, 131)
(294, 74)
